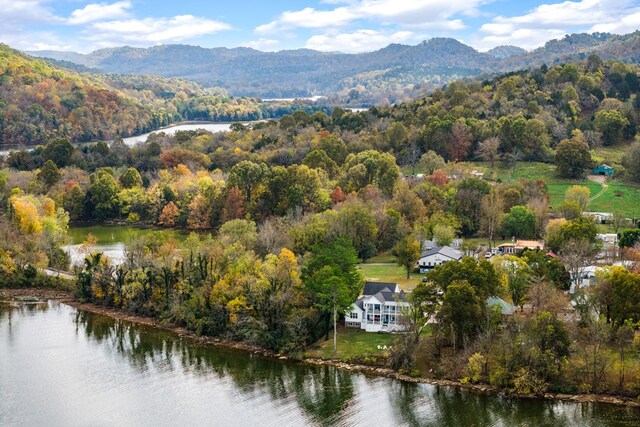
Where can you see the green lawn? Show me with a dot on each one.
(351, 342)
(619, 195)
(385, 257)
(389, 273)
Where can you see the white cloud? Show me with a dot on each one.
(358, 41)
(424, 14)
(309, 18)
(549, 21)
(153, 30)
(262, 44)
(626, 24)
(100, 11)
(26, 11)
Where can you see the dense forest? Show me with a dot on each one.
(283, 211)
(40, 102)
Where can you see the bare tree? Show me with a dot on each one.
(543, 296)
(540, 207)
(618, 220)
(488, 150)
(492, 211)
(576, 255)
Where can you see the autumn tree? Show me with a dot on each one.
(233, 205)
(459, 141)
(169, 215)
(337, 195)
(407, 251)
(579, 194)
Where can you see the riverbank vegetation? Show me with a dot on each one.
(283, 212)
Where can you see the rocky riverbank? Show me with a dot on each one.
(66, 298)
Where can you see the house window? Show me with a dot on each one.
(354, 315)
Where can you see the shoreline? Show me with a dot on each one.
(67, 298)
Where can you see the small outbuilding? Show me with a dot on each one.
(603, 170)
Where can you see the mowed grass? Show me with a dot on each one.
(352, 342)
(390, 273)
(620, 195)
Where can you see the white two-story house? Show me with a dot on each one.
(378, 309)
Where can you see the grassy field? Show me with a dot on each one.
(352, 342)
(620, 195)
(389, 273)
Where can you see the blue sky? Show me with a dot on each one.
(327, 25)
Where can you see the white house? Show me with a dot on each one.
(587, 277)
(378, 309)
(436, 256)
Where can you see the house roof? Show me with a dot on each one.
(531, 244)
(386, 296)
(359, 303)
(372, 288)
(443, 250)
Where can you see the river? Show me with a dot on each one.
(64, 367)
(133, 140)
(111, 240)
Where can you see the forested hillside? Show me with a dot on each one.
(40, 102)
(519, 116)
(393, 74)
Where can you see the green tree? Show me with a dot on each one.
(131, 178)
(431, 161)
(407, 252)
(629, 238)
(631, 160)
(103, 194)
(520, 222)
(247, 175)
(578, 194)
(59, 151)
(611, 123)
(551, 344)
(370, 167)
(49, 174)
(480, 274)
(333, 280)
(573, 156)
(462, 312)
(517, 274)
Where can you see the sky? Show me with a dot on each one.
(326, 25)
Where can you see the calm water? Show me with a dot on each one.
(111, 239)
(60, 366)
(170, 130)
(133, 140)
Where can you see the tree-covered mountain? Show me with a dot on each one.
(40, 102)
(384, 75)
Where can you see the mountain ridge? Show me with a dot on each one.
(304, 72)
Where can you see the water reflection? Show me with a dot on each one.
(154, 376)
